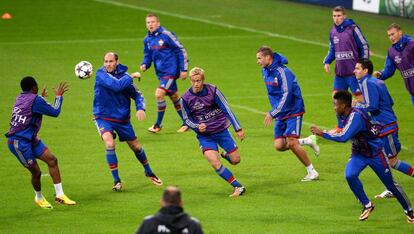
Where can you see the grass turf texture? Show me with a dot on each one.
(47, 38)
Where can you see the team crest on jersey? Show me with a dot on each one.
(160, 42)
(397, 59)
(335, 40)
(276, 81)
(198, 106)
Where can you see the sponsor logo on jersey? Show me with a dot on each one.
(345, 55)
(198, 106)
(397, 59)
(408, 73)
(335, 40)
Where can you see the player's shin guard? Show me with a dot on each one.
(142, 158)
(113, 163)
(177, 107)
(161, 106)
(404, 168)
(226, 174)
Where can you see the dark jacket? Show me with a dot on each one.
(170, 219)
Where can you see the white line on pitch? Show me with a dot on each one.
(231, 26)
(123, 40)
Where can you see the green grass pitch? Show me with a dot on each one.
(47, 38)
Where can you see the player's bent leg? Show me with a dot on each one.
(36, 175)
(161, 106)
(54, 172)
(384, 173)
(52, 164)
(112, 159)
(142, 158)
(232, 157)
(39, 199)
(223, 172)
(175, 98)
(301, 154)
(311, 141)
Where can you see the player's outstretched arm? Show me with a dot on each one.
(61, 89)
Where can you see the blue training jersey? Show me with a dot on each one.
(209, 107)
(283, 89)
(357, 128)
(167, 53)
(33, 113)
(378, 102)
(113, 93)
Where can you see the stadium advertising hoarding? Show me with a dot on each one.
(402, 8)
(346, 3)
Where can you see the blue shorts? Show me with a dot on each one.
(124, 130)
(412, 100)
(223, 139)
(343, 83)
(26, 151)
(290, 127)
(169, 85)
(391, 144)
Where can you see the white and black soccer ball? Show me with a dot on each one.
(83, 70)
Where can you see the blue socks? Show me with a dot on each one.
(142, 158)
(226, 174)
(177, 106)
(161, 111)
(404, 168)
(112, 163)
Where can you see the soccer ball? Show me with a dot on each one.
(83, 70)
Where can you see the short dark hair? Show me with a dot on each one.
(265, 50)
(344, 97)
(27, 83)
(394, 25)
(366, 64)
(340, 8)
(172, 196)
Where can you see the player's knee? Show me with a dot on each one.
(280, 147)
(110, 144)
(35, 171)
(392, 161)
(160, 95)
(235, 158)
(292, 143)
(52, 161)
(351, 177)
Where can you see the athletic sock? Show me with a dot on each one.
(58, 189)
(142, 158)
(226, 174)
(177, 107)
(161, 111)
(404, 168)
(39, 195)
(112, 163)
(305, 141)
(310, 168)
